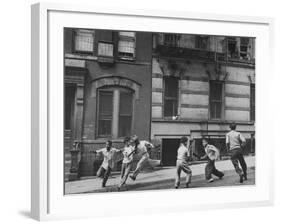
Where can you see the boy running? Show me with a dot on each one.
(182, 163)
(127, 162)
(140, 147)
(234, 142)
(108, 161)
(212, 154)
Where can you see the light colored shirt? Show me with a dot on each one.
(212, 152)
(183, 153)
(126, 152)
(234, 139)
(108, 157)
(142, 148)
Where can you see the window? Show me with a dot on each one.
(127, 45)
(244, 42)
(201, 42)
(171, 39)
(252, 103)
(170, 97)
(115, 108)
(69, 95)
(105, 49)
(232, 48)
(216, 100)
(84, 41)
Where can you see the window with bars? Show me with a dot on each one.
(232, 51)
(170, 96)
(115, 109)
(127, 45)
(252, 103)
(84, 41)
(216, 101)
(244, 43)
(171, 40)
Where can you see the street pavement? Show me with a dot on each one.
(163, 178)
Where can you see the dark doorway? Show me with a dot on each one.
(169, 151)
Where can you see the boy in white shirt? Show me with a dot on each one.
(108, 163)
(127, 162)
(140, 147)
(234, 143)
(212, 153)
(182, 163)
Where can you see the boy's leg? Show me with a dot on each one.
(100, 172)
(178, 176)
(126, 174)
(243, 164)
(188, 172)
(123, 167)
(139, 167)
(105, 177)
(217, 172)
(208, 170)
(234, 158)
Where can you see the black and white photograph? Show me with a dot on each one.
(155, 111)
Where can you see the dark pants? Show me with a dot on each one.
(211, 169)
(104, 173)
(236, 158)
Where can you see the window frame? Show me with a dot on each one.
(128, 39)
(252, 105)
(171, 98)
(90, 52)
(112, 89)
(222, 100)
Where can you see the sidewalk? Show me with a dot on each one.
(147, 178)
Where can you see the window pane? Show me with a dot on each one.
(105, 113)
(215, 100)
(104, 127)
(125, 123)
(171, 87)
(125, 113)
(84, 41)
(170, 108)
(126, 46)
(105, 49)
(127, 34)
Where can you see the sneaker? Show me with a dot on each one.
(187, 185)
(245, 177)
(211, 180)
(176, 187)
(103, 185)
(132, 177)
(221, 176)
(241, 178)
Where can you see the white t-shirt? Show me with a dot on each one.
(108, 157)
(212, 152)
(142, 148)
(183, 153)
(127, 150)
(234, 138)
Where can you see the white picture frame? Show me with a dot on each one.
(48, 201)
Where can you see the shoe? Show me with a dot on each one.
(221, 176)
(132, 177)
(241, 178)
(103, 185)
(187, 185)
(176, 187)
(245, 177)
(211, 180)
(118, 188)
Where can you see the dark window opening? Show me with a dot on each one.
(232, 48)
(216, 100)
(171, 40)
(125, 114)
(105, 113)
(170, 97)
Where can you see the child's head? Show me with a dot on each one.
(108, 144)
(204, 142)
(232, 126)
(184, 140)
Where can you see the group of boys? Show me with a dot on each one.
(132, 145)
(234, 143)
